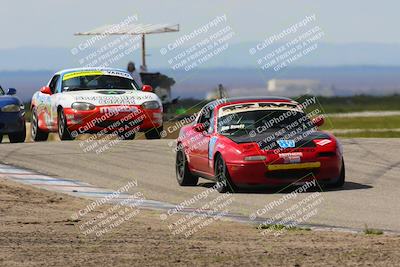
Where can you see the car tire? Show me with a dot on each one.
(63, 131)
(154, 133)
(37, 134)
(1, 138)
(224, 183)
(18, 137)
(342, 176)
(183, 174)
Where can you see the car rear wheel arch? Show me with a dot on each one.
(216, 154)
(183, 174)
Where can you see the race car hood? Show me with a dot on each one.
(102, 97)
(268, 140)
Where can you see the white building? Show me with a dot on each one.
(292, 88)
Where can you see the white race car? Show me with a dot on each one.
(95, 100)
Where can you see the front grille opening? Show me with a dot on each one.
(105, 124)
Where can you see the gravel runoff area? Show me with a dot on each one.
(37, 230)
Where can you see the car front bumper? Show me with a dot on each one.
(96, 120)
(247, 174)
(11, 122)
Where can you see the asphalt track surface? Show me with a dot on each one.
(370, 196)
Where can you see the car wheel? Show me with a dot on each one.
(224, 183)
(183, 174)
(63, 131)
(154, 133)
(18, 137)
(1, 138)
(37, 134)
(341, 179)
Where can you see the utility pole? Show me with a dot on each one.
(221, 91)
(143, 51)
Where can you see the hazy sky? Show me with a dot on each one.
(51, 23)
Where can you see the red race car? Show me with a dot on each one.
(248, 142)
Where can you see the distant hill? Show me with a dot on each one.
(235, 56)
(345, 80)
(370, 68)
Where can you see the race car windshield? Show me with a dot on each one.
(94, 82)
(241, 123)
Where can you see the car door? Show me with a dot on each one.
(43, 105)
(55, 88)
(204, 141)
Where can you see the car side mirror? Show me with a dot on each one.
(147, 88)
(318, 121)
(45, 90)
(199, 127)
(11, 91)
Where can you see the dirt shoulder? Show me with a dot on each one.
(37, 230)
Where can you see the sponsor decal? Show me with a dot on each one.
(81, 73)
(108, 99)
(232, 127)
(117, 73)
(304, 150)
(145, 97)
(323, 142)
(246, 106)
(96, 72)
(294, 157)
(286, 143)
(221, 146)
(118, 109)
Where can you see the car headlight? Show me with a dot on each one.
(151, 105)
(11, 108)
(255, 158)
(82, 106)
